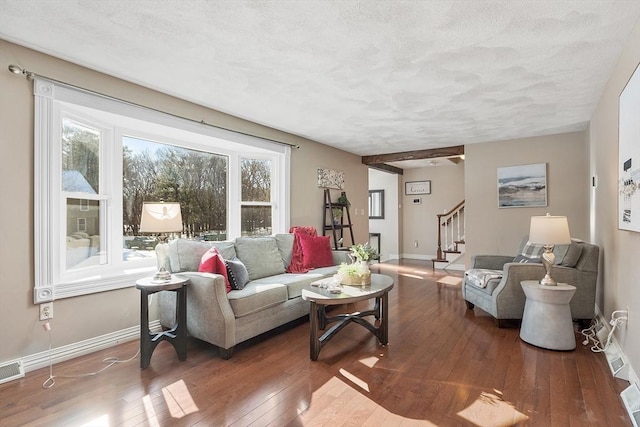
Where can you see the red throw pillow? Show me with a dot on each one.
(316, 251)
(295, 265)
(212, 262)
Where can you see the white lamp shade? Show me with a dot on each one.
(549, 230)
(159, 217)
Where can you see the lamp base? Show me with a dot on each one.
(548, 281)
(162, 275)
(548, 259)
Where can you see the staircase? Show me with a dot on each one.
(450, 237)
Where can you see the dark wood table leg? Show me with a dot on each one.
(384, 326)
(180, 343)
(146, 348)
(314, 344)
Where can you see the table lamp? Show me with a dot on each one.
(161, 218)
(549, 231)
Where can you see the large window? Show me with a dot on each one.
(97, 160)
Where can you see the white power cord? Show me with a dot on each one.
(110, 361)
(618, 317)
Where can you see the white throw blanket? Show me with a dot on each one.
(480, 276)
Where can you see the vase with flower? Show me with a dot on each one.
(358, 272)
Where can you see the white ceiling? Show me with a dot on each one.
(370, 77)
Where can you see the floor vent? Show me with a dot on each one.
(631, 398)
(11, 371)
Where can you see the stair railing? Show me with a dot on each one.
(449, 223)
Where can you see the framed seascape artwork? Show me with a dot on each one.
(629, 155)
(522, 186)
(331, 178)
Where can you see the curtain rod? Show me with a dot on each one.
(30, 75)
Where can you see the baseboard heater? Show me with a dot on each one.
(11, 371)
(631, 398)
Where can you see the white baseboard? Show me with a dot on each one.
(70, 351)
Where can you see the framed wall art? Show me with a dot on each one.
(629, 155)
(522, 186)
(330, 178)
(417, 187)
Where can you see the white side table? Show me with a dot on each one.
(546, 321)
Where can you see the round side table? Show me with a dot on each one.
(546, 321)
(177, 335)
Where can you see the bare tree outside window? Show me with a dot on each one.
(197, 180)
(256, 209)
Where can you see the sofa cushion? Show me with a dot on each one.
(285, 247)
(212, 262)
(185, 255)
(316, 251)
(256, 297)
(260, 255)
(295, 282)
(572, 256)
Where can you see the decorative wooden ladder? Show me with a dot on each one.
(451, 225)
(328, 224)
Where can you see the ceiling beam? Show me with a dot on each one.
(386, 168)
(457, 150)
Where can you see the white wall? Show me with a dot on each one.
(619, 281)
(389, 226)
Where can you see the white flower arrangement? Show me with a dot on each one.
(364, 252)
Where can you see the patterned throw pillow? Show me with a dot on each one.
(531, 250)
(525, 260)
(237, 272)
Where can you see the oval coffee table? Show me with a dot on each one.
(319, 298)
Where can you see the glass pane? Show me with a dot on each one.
(153, 172)
(80, 158)
(256, 180)
(256, 220)
(83, 234)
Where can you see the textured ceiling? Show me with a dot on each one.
(370, 77)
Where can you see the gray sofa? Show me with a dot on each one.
(503, 297)
(270, 299)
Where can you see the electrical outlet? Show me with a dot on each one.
(628, 317)
(46, 311)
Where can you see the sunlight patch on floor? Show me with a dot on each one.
(102, 421)
(357, 381)
(489, 410)
(336, 400)
(151, 413)
(369, 362)
(179, 400)
(410, 275)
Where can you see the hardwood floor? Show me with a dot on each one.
(444, 366)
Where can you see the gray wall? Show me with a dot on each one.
(86, 317)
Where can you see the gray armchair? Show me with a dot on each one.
(502, 296)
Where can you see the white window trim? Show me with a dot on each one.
(46, 95)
